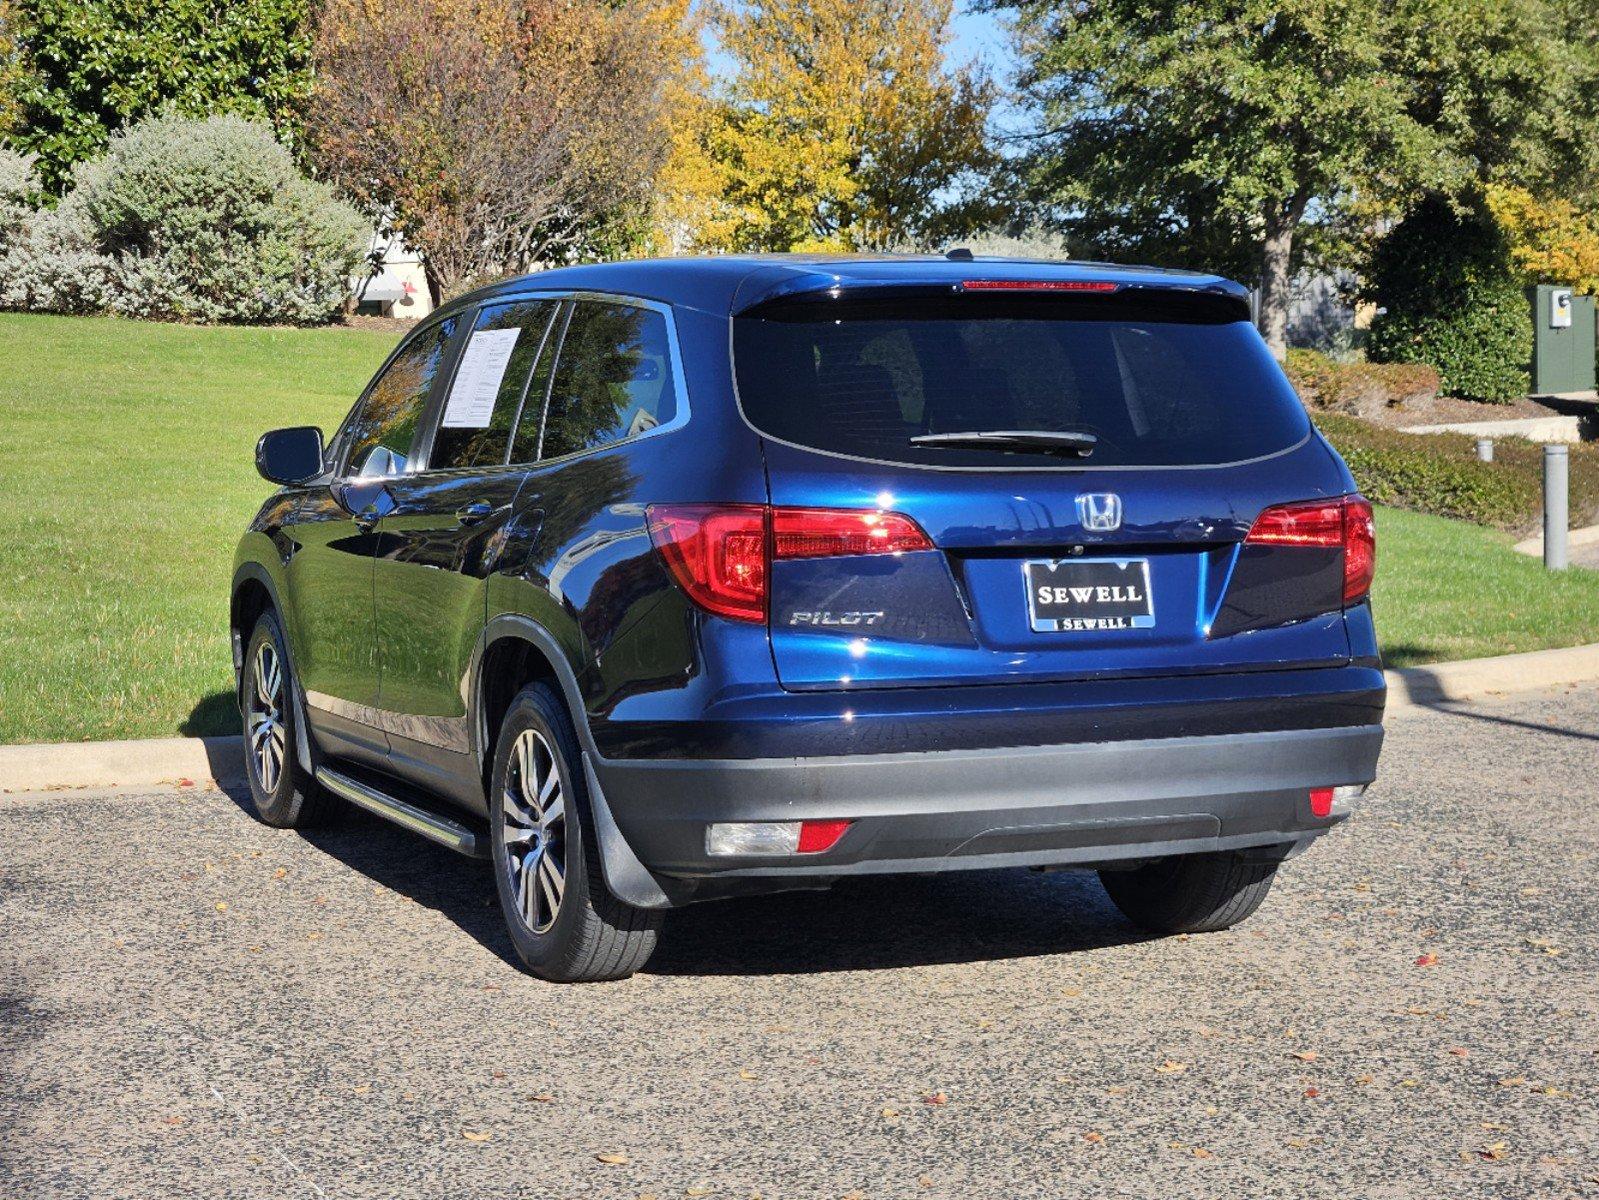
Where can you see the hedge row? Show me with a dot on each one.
(1439, 473)
(1361, 388)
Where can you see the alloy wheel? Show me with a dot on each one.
(534, 810)
(268, 740)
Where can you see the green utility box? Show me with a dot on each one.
(1563, 341)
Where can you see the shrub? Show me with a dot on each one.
(1360, 388)
(1453, 299)
(1439, 473)
(196, 220)
(16, 194)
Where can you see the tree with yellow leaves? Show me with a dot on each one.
(1551, 239)
(843, 126)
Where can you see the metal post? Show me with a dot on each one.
(1554, 507)
(1485, 449)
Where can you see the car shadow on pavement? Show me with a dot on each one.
(861, 924)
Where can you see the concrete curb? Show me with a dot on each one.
(143, 763)
(1419, 687)
(220, 760)
(1586, 536)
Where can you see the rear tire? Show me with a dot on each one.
(1190, 893)
(566, 925)
(285, 794)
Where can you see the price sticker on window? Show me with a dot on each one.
(477, 381)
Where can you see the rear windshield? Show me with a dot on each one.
(1157, 382)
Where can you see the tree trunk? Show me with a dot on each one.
(1276, 274)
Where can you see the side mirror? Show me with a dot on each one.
(291, 455)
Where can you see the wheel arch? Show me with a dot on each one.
(255, 593)
(514, 652)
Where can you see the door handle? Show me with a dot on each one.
(475, 512)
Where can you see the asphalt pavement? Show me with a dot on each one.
(193, 1004)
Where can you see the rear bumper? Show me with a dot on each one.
(965, 809)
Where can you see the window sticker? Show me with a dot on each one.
(477, 382)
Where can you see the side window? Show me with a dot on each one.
(490, 387)
(613, 378)
(380, 437)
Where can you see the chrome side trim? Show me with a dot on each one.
(432, 826)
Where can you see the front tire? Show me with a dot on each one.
(285, 794)
(564, 922)
(1190, 893)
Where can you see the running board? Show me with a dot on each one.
(431, 825)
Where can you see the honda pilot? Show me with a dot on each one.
(659, 582)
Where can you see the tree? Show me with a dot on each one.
(95, 66)
(12, 71)
(494, 135)
(1552, 240)
(1219, 133)
(843, 126)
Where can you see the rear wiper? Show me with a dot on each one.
(1037, 441)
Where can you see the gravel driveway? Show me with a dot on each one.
(192, 1004)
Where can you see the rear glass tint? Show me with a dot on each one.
(1158, 383)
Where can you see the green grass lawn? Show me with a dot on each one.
(126, 477)
(1449, 590)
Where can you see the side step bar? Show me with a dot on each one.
(431, 825)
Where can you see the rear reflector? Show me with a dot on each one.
(1321, 802)
(1343, 524)
(720, 554)
(1038, 285)
(769, 838)
(816, 836)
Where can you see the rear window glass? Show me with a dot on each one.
(1157, 383)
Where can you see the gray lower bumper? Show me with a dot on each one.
(1012, 807)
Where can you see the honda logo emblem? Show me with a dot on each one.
(1100, 512)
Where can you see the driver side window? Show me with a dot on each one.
(381, 436)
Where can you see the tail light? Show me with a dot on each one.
(1344, 524)
(719, 553)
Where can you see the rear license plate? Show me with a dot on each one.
(1079, 594)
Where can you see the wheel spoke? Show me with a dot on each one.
(528, 892)
(552, 876)
(551, 783)
(554, 812)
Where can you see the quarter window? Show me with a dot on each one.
(613, 379)
(491, 386)
(383, 432)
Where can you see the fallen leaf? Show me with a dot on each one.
(936, 1098)
(1364, 1079)
(1201, 1152)
(362, 1089)
(1094, 1136)
(1311, 1093)
(747, 1075)
(1305, 1055)
(1427, 960)
(1171, 1067)
(222, 906)
(542, 1098)
(172, 1120)
(612, 1159)
(1071, 993)
(890, 1114)
(925, 1181)
(280, 873)
(476, 1135)
(185, 783)
(1493, 1153)
(1513, 1081)
(698, 1190)
(1460, 1052)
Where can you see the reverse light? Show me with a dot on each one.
(720, 553)
(769, 838)
(1345, 524)
(1038, 285)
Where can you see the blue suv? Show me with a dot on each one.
(665, 581)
